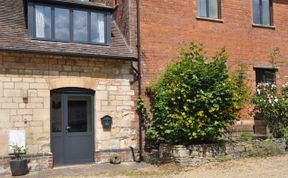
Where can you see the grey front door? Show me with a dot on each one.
(72, 131)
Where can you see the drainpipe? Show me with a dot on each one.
(139, 75)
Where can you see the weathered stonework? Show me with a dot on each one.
(39, 74)
(203, 153)
(125, 155)
(36, 162)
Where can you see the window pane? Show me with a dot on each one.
(213, 9)
(269, 77)
(62, 24)
(266, 12)
(43, 21)
(256, 11)
(265, 76)
(98, 27)
(202, 8)
(80, 25)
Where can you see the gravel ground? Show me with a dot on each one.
(270, 167)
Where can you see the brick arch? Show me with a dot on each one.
(86, 83)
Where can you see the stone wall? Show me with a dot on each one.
(203, 153)
(36, 162)
(126, 155)
(39, 74)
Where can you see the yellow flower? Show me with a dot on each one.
(200, 113)
(185, 108)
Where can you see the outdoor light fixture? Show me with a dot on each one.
(106, 122)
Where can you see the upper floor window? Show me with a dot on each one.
(262, 12)
(209, 8)
(57, 23)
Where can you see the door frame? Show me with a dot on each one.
(73, 91)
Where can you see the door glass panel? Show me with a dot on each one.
(56, 112)
(79, 117)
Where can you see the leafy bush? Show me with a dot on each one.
(18, 151)
(194, 100)
(272, 106)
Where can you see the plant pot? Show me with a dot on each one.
(19, 167)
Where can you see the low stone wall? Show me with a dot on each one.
(203, 153)
(36, 162)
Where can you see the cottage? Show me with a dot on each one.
(64, 66)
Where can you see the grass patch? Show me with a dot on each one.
(151, 171)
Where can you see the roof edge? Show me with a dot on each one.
(124, 58)
(78, 4)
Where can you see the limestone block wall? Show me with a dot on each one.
(39, 74)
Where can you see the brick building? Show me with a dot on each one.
(66, 64)
(250, 30)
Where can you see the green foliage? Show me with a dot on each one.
(18, 150)
(141, 109)
(224, 159)
(272, 107)
(194, 100)
(285, 133)
(243, 91)
(148, 123)
(248, 137)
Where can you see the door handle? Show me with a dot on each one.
(67, 128)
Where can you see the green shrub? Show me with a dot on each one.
(248, 137)
(195, 100)
(272, 106)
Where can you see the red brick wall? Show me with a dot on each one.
(126, 19)
(166, 24)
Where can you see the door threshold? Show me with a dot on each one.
(73, 165)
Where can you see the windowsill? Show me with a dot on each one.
(210, 19)
(264, 26)
(71, 42)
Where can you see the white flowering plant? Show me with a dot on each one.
(271, 105)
